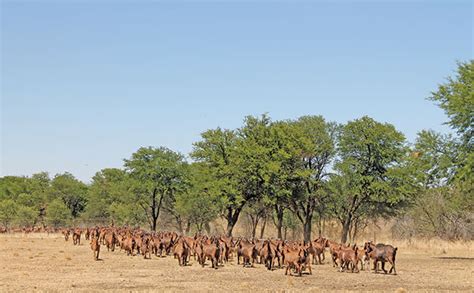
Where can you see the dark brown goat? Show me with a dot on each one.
(382, 253)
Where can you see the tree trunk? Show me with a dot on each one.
(154, 221)
(279, 222)
(355, 229)
(155, 209)
(345, 228)
(207, 227)
(262, 229)
(324, 226)
(254, 219)
(320, 226)
(232, 217)
(254, 228)
(188, 227)
(199, 227)
(307, 229)
(180, 224)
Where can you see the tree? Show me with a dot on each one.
(255, 212)
(156, 174)
(26, 216)
(238, 164)
(71, 191)
(196, 205)
(57, 213)
(127, 213)
(8, 212)
(290, 222)
(370, 177)
(217, 153)
(442, 206)
(314, 148)
(108, 186)
(456, 98)
(433, 159)
(29, 193)
(256, 166)
(12, 186)
(285, 155)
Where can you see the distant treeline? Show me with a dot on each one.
(295, 172)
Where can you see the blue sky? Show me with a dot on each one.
(85, 84)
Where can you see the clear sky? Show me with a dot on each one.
(86, 84)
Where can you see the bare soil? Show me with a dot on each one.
(38, 262)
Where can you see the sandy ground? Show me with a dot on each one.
(48, 263)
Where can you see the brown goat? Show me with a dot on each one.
(248, 252)
(348, 258)
(382, 253)
(210, 250)
(181, 251)
(76, 236)
(95, 246)
(294, 258)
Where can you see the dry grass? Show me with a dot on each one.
(48, 263)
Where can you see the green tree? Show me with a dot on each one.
(442, 205)
(8, 212)
(39, 186)
(26, 216)
(57, 213)
(285, 154)
(315, 148)
(434, 159)
(371, 177)
(71, 191)
(157, 174)
(108, 186)
(127, 213)
(29, 192)
(217, 154)
(12, 186)
(456, 98)
(197, 208)
(256, 167)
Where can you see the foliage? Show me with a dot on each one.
(156, 174)
(197, 205)
(26, 216)
(108, 186)
(71, 191)
(8, 211)
(295, 170)
(128, 214)
(57, 213)
(456, 98)
(216, 152)
(370, 179)
(315, 141)
(433, 159)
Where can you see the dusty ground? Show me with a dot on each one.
(48, 263)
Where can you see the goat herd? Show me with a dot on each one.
(295, 257)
